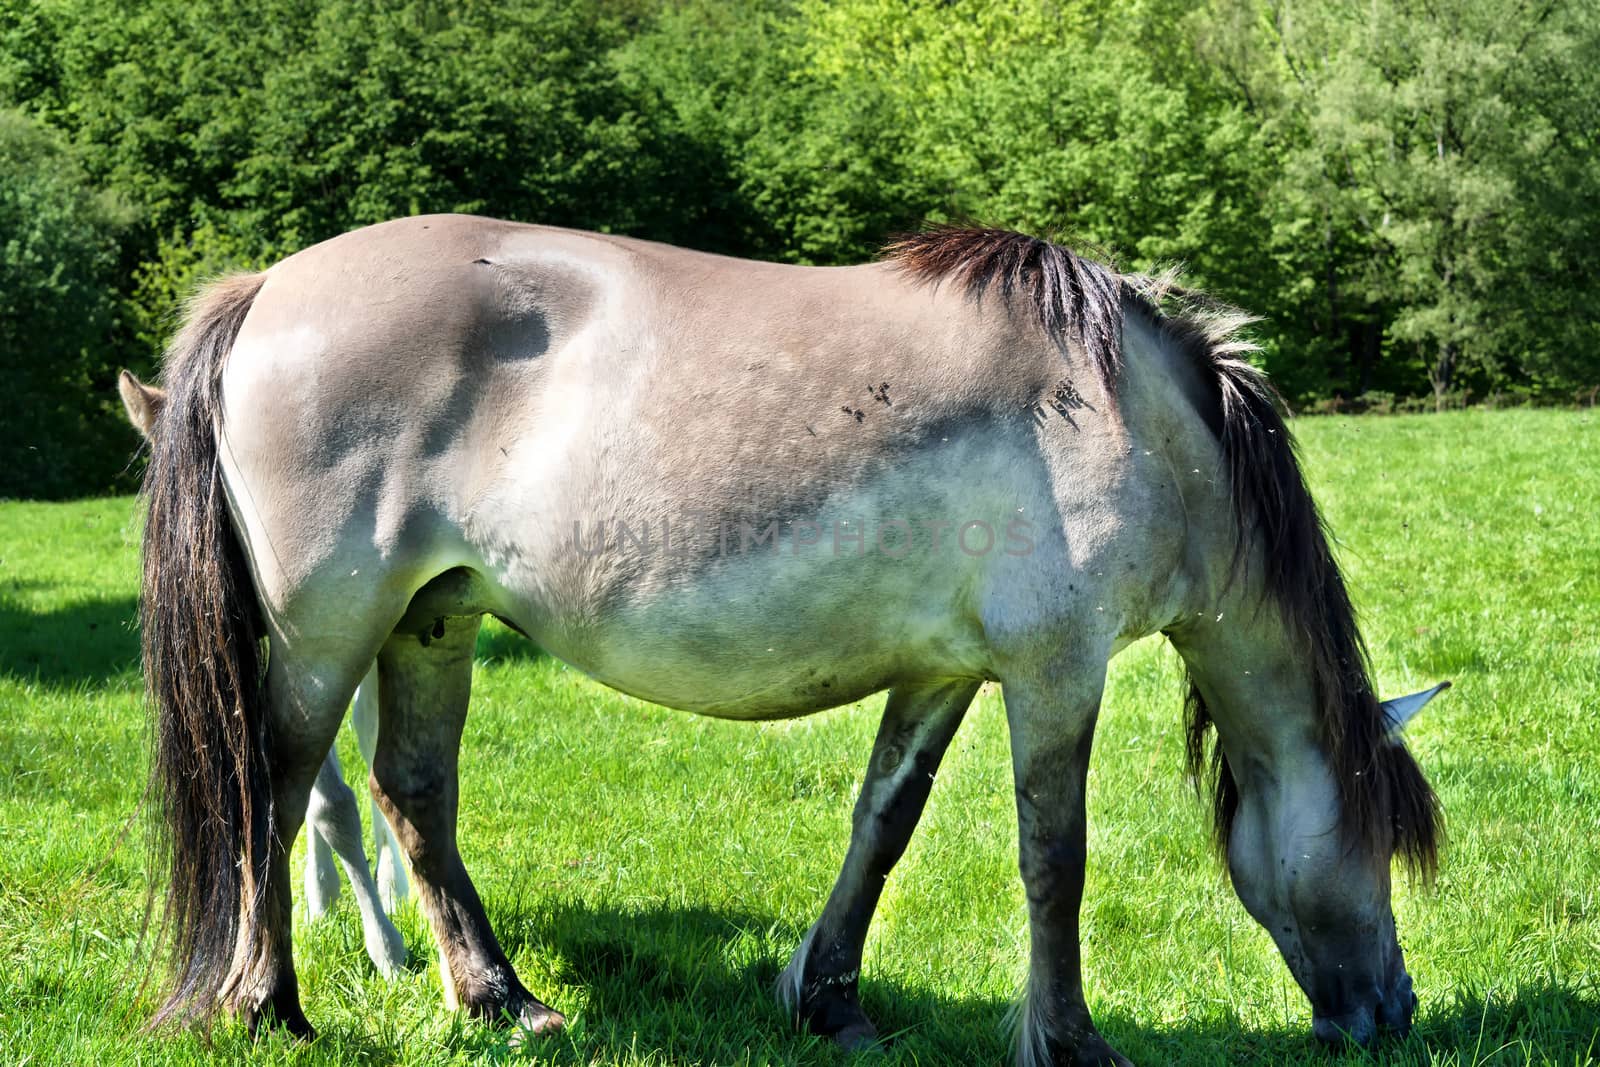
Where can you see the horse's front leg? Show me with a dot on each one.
(1051, 714)
(333, 823)
(424, 684)
(391, 871)
(819, 987)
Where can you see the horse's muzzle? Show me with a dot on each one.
(1389, 1011)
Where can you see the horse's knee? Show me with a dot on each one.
(331, 800)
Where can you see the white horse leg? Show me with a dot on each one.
(819, 987)
(335, 817)
(393, 886)
(1051, 713)
(322, 877)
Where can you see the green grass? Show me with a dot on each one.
(649, 871)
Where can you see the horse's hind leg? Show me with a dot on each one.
(392, 884)
(424, 680)
(819, 985)
(1051, 713)
(305, 704)
(333, 819)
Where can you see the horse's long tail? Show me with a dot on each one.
(202, 664)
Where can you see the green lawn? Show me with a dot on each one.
(649, 872)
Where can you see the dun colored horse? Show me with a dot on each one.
(751, 491)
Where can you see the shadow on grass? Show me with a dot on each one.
(91, 641)
(94, 641)
(498, 643)
(1552, 1024)
(664, 984)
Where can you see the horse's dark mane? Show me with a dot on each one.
(1385, 798)
(1073, 299)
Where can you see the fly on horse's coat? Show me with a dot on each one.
(379, 440)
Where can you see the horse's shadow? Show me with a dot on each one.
(95, 641)
(695, 985)
(86, 642)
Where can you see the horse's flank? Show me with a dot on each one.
(562, 381)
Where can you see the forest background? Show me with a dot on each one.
(1406, 193)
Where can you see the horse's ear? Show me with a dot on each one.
(143, 402)
(1402, 710)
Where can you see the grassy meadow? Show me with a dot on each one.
(649, 872)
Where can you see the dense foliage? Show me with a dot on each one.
(1406, 193)
(58, 262)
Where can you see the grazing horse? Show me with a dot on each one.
(333, 821)
(753, 491)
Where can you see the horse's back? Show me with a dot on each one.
(801, 482)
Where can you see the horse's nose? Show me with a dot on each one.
(1355, 1027)
(1390, 1010)
(1395, 1010)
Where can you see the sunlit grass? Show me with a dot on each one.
(649, 872)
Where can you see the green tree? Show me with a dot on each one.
(1092, 120)
(1448, 156)
(58, 258)
(799, 168)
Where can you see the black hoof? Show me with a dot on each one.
(518, 1008)
(837, 1014)
(1093, 1052)
(858, 1037)
(269, 1016)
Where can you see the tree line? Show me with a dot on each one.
(1405, 192)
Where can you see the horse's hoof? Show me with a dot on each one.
(539, 1019)
(857, 1037)
(265, 1018)
(1100, 1055)
(1092, 1053)
(535, 1019)
(527, 1013)
(839, 1018)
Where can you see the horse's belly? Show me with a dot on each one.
(773, 639)
(773, 685)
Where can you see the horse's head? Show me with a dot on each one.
(1359, 984)
(142, 402)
